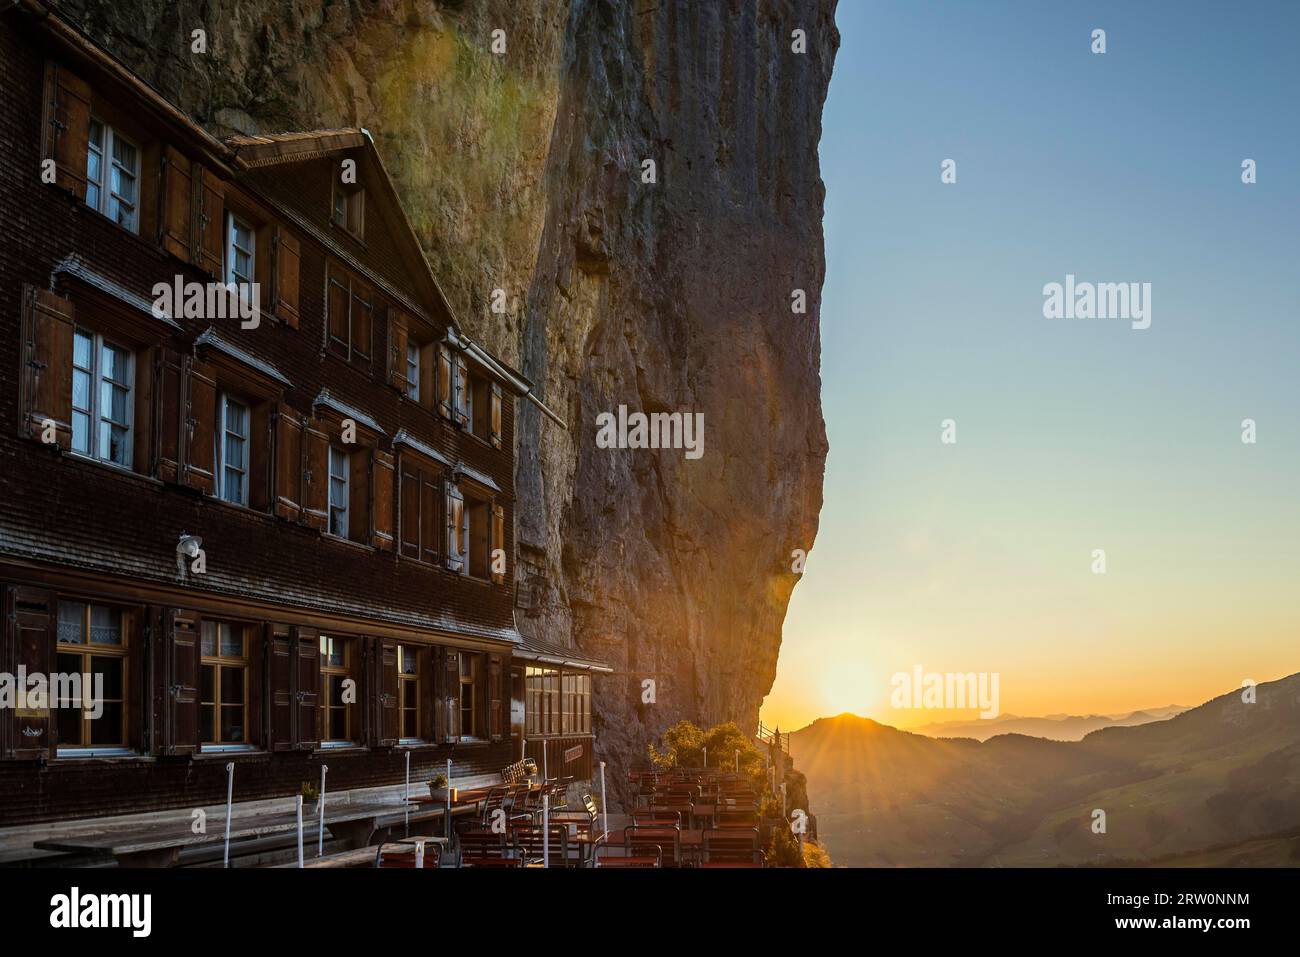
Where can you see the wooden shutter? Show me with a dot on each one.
(461, 388)
(451, 696)
(260, 491)
(287, 263)
(408, 503)
(169, 422)
(176, 204)
(382, 500)
(455, 511)
(390, 712)
(337, 305)
(288, 463)
(28, 733)
(280, 705)
(495, 698)
(445, 376)
(498, 540)
(307, 691)
(65, 132)
(210, 207)
(397, 339)
(360, 506)
(200, 427)
(315, 476)
(496, 415)
(47, 365)
(362, 316)
(430, 526)
(144, 455)
(181, 674)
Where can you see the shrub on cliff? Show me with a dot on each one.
(684, 744)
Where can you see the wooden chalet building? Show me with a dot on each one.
(347, 464)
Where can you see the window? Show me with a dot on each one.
(413, 370)
(113, 175)
(480, 406)
(91, 646)
(223, 684)
(576, 691)
(101, 398)
(469, 674)
(232, 450)
(542, 702)
(241, 245)
(349, 209)
(408, 690)
(338, 690)
(338, 492)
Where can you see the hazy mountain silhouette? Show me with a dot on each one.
(1057, 727)
(1218, 783)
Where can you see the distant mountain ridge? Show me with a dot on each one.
(1056, 727)
(1219, 782)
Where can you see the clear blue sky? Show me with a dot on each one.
(1072, 435)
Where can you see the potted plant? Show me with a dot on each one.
(311, 794)
(439, 789)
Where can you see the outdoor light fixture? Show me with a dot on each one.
(187, 548)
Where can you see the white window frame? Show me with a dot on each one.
(244, 283)
(224, 401)
(94, 413)
(103, 185)
(413, 370)
(339, 513)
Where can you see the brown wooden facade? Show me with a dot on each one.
(347, 462)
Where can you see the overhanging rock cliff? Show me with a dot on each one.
(524, 172)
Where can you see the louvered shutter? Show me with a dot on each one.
(47, 365)
(315, 476)
(200, 427)
(382, 500)
(287, 268)
(455, 526)
(181, 670)
(65, 132)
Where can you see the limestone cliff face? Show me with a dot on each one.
(522, 171)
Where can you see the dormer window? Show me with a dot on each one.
(349, 209)
(113, 175)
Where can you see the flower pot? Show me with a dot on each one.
(442, 795)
